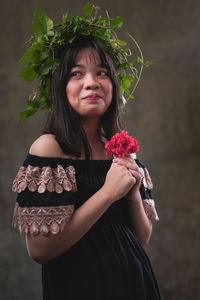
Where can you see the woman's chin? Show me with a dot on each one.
(93, 111)
(92, 114)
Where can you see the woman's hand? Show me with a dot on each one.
(119, 182)
(133, 168)
(142, 226)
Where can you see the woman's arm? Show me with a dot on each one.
(141, 224)
(117, 184)
(44, 248)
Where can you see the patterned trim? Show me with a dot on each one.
(41, 220)
(149, 207)
(46, 178)
(146, 179)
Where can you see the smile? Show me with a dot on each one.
(92, 97)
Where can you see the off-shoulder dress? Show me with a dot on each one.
(108, 262)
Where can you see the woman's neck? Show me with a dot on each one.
(93, 134)
(92, 131)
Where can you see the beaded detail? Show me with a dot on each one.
(45, 178)
(41, 220)
(149, 207)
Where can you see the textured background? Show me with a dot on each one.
(164, 118)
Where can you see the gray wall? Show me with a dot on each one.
(164, 118)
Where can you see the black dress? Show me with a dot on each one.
(108, 262)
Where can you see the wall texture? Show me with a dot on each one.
(164, 118)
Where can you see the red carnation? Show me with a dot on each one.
(120, 144)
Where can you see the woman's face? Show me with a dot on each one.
(89, 89)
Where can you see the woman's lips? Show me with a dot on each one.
(92, 97)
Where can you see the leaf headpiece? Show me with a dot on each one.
(49, 39)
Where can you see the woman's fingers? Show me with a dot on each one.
(131, 165)
(136, 174)
(127, 162)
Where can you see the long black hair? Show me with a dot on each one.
(64, 122)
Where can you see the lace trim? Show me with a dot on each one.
(46, 178)
(146, 179)
(41, 220)
(149, 207)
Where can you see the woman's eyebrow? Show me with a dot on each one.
(78, 65)
(83, 66)
(102, 66)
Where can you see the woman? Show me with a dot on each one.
(82, 211)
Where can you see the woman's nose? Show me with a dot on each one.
(91, 82)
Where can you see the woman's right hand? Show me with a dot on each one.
(118, 182)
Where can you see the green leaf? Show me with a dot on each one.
(33, 104)
(121, 43)
(117, 22)
(72, 39)
(140, 60)
(131, 96)
(41, 23)
(148, 63)
(131, 64)
(45, 105)
(125, 66)
(28, 73)
(128, 51)
(130, 77)
(64, 17)
(75, 28)
(125, 83)
(54, 65)
(40, 41)
(27, 113)
(50, 33)
(44, 70)
(30, 55)
(43, 55)
(87, 9)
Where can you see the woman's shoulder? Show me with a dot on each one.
(46, 145)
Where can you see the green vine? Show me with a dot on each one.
(48, 41)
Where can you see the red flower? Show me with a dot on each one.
(120, 144)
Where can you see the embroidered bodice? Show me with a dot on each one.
(50, 189)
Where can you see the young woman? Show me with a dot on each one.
(83, 213)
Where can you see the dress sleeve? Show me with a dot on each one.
(45, 190)
(146, 193)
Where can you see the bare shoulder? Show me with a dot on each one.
(46, 146)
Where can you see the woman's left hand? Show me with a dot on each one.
(133, 168)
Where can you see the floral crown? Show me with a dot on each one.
(49, 39)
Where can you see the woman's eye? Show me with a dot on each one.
(74, 74)
(102, 73)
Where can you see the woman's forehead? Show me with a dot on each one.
(88, 56)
